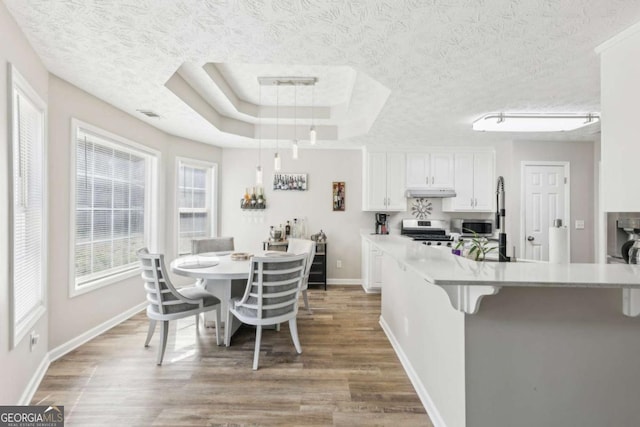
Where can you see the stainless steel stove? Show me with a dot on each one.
(431, 232)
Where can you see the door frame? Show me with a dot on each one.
(567, 198)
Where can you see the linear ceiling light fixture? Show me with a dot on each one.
(534, 122)
(295, 81)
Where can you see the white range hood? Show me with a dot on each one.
(430, 192)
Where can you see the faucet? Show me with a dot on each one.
(500, 223)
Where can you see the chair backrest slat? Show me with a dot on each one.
(160, 291)
(274, 284)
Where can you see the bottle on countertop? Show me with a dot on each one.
(287, 230)
(294, 230)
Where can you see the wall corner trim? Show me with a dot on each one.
(76, 342)
(71, 345)
(628, 32)
(35, 381)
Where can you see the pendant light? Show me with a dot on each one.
(312, 130)
(259, 166)
(294, 146)
(276, 158)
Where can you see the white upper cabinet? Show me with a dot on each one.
(474, 183)
(384, 181)
(429, 170)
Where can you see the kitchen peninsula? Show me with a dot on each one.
(513, 344)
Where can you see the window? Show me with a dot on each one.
(113, 180)
(195, 202)
(28, 268)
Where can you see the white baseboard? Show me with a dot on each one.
(65, 348)
(35, 381)
(344, 281)
(426, 400)
(76, 342)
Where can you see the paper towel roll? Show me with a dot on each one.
(559, 245)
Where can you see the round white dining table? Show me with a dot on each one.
(219, 274)
(216, 271)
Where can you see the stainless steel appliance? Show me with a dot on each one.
(381, 224)
(626, 233)
(467, 227)
(431, 232)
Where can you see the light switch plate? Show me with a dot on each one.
(579, 224)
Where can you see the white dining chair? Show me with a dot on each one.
(303, 246)
(167, 303)
(271, 296)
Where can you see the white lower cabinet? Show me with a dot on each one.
(474, 183)
(371, 267)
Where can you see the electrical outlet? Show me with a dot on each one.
(339, 263)
(33, 340)
(579, 224)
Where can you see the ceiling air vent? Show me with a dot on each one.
(149, 113)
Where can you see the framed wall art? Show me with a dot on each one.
(290, 181)
(338, 196)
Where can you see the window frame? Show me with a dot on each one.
(19, 330)
(211, 199)
(151, 221)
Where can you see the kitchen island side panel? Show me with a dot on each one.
(430, 336)
(552, 357)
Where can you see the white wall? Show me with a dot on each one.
(18, 365)
(70, 317)
(323, 167)
(620, 103)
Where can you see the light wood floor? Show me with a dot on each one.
(347, 375)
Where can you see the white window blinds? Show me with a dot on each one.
(28, 207)
(194, 203)
(111, 209)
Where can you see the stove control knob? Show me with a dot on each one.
(439, 243)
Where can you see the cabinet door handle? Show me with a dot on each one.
(427, 179)
(475, 202)
(472, 202)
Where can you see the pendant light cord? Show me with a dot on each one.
(277, 115)
(259, 123)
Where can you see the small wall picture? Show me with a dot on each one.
(290, 181)
(338, 196)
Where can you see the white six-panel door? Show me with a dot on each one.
(544, 187)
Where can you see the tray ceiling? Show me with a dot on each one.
(442, 65)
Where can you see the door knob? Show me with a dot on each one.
(531, 238)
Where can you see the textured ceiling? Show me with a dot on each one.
(445, 62)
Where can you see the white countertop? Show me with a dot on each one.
(438, 266)
(466, 281)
